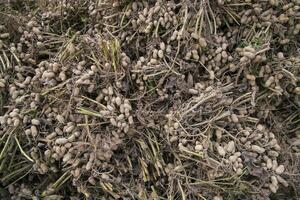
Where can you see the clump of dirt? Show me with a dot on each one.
(149, 99)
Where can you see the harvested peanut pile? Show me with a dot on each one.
(161, 100)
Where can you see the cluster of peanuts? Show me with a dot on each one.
(263, 149)
(150, 19)
(248, 55)
(160, 52)
(142, 17)
(74, 109)
(135, 73)
(277, 79)
(67, 142)
(177, 128)
(148, 67)
(55, 129)
(229, 152)
(217, 56)
(31, 40)
(194, 53)
(257, 145)
(118, 110)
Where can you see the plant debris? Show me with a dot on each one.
(161, 99)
